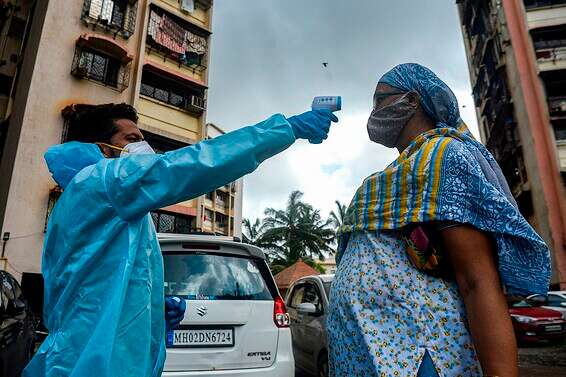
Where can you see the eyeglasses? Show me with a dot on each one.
(379, 97)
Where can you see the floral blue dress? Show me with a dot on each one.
(385, 314)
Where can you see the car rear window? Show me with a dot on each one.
(204, 276)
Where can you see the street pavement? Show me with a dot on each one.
(534, 361)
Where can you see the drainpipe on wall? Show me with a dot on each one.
(544, 147)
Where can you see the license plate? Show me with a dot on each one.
(553, 328)
(202, 338)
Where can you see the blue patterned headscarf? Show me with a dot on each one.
(437, 99)
(441, 105)
(447, 175)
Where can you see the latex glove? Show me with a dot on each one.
(174, 311)
(312, 125)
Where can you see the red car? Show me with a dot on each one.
(533, 323)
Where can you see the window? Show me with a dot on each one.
(297, 298)
(114, 15)
(96, 66)
(549, 37)
(221, 222)
(312, 296)
(306, 293)
(556, 301)
(172, 92)
(208, 215)
(172, 223)
(99, 67)
(327, 286)
(215, 277)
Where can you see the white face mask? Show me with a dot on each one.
(139, 147)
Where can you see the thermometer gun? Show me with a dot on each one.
(332, 103)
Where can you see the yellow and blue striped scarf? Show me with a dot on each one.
(446, 175)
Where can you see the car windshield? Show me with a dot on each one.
(214, 277)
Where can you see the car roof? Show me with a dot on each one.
(324, 278)
(171, 242)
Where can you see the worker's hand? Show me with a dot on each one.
(174, 311)
(312, 125)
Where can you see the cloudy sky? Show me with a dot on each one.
(267, 58)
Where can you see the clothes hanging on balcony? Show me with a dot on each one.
(166, 32)
(196, 43)
(171, 35)
(188, 5)
(154, 22)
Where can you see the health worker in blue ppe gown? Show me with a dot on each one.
(104, 296)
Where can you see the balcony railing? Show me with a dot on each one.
(118, 16)
(551, 54)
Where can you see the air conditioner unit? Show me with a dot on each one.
(196, 104)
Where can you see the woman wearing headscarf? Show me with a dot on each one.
(429, 247)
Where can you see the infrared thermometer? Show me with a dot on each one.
(332, 103)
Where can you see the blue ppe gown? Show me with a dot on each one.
(102, 265)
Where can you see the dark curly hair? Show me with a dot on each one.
(95, 123)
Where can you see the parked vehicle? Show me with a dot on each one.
(236, 323)
(17, 328)
(307, 302)
(555, 300)
(533, 323)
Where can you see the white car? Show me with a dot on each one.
(236, 323)
(555, 300)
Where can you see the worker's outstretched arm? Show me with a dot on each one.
(138, 184)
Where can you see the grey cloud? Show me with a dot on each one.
(267, 58)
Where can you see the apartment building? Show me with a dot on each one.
(152, 54)
(517, 61)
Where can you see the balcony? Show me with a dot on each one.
(545, 13)
(536, 4)
(114, 16)
(177, 40)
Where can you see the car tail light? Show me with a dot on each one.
(280, 315)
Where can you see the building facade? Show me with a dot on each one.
(221, 210)
(517, 61)
(152, 54)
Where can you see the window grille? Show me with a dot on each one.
(172, 223)
(172, 92)
(118, 16)
(93, 65)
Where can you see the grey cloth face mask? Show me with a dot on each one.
(385, 124)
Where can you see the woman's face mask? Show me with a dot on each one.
(386, 123)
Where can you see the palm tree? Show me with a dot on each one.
(296, 232)
(337, 217)
(252, 233)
